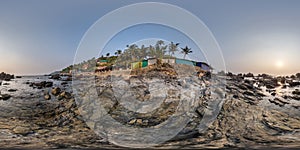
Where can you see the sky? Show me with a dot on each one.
(39, 37)
(148, 34)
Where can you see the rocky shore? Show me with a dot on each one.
(6, 77)
(257, 112)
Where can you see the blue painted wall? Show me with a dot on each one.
(184, 61)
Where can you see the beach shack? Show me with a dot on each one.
(140, 64)
(152, 61)
(168, 60)
(102, 62)
(184, 61)
(136, 65)
(204, 66)
(144, 63)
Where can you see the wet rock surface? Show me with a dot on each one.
(250, 117)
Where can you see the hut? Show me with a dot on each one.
(204, 66)
(136, 65)
(152, 61)
(102, 62)
(140, 64)
(184, 61)
(144, 63)
(168, 60)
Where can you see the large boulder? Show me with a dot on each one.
(249, 75)
(40, 85)
(55, 77)
(271, 83)
(6, 77)
(294, 84)
(296, 92)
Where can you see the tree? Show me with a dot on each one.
(173, 48)
(107, 54)
(186, 51)
(119, 52)
(160, 49)
(143, 52)
(133, 51)
(160, 42)
(152, 52)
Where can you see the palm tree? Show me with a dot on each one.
(152, 52)
(160, 48)
(160, 42)
(186, 51)
(173, 48)
(143, 52)
(119, 52)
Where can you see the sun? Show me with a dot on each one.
(279, 64)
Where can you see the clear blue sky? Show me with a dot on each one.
(149, 34)
(38, 37)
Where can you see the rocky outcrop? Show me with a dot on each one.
(244, 119)
(294, 83)
(55, 77)
(40, 85)
(6, 77)
(296, 92)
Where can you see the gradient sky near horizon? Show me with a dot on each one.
(39, 37)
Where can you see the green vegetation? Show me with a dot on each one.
(186, 51)
(132, 53)
(173, 48)
(67, 70)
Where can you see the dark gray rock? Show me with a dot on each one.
(6, 77)
(250, 93)
(55, 77)
(294, 84)
(40, 85)
(296, 92)
(273, 94)
(12, 90)
(5, 96)
(249, 75)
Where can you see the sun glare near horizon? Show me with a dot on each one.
(279, 64)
